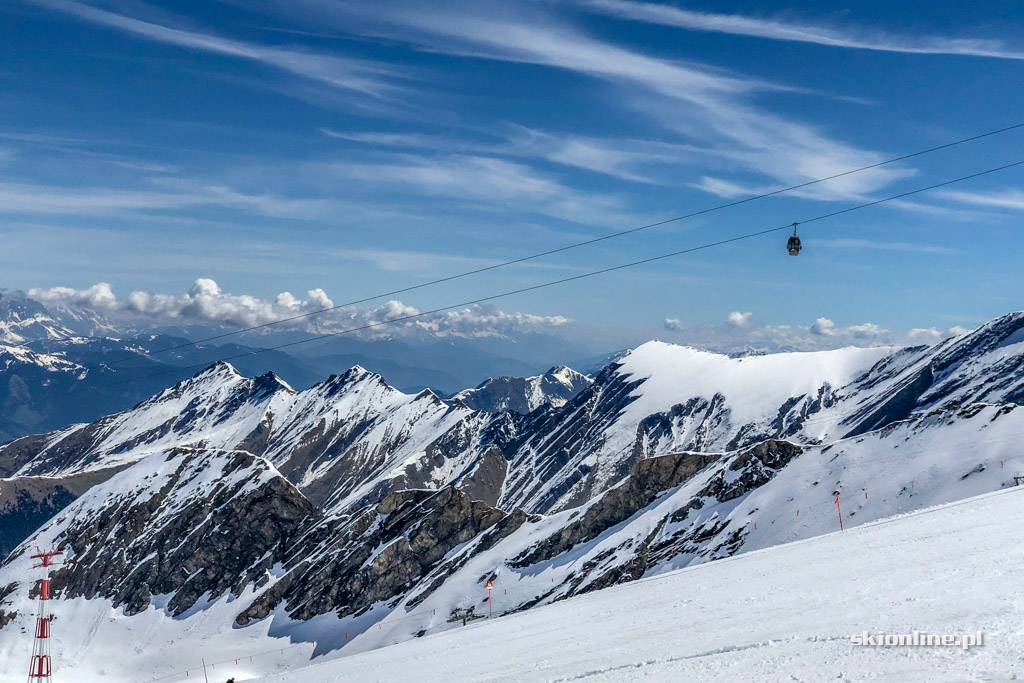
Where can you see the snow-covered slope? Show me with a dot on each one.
(784, 614)
(15, 356)
(660, 398)
(525, 394)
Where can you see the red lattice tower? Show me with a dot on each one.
(41, 667)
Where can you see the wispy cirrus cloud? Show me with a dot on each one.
(170, 195)
(370, 78)
(402, 140)
(487, 181)
(632, 159)
(712, 110)
(853, 243)
(803, 32)
(995, 199)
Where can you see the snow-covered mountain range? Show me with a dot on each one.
(59, 366)
(380, 514)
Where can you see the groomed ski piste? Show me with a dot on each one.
(785, 613)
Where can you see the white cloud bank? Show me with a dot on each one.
(741, 332)
(739, 320)
(206, 303)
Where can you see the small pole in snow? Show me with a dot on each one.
(204, 670)
(839, 511)
(490, 604)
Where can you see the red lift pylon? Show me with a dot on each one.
(40, 669)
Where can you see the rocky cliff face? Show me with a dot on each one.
(375, 556)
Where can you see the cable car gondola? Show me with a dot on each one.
(793, 245)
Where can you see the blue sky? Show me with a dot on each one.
(288, 146)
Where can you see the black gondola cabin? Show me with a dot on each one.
(793, 245)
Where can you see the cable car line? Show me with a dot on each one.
(558, 250)
(574, 278)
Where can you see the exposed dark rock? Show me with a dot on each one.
(485, 482)
(7, 617)
(648, 479)
(150, 543)
(378, 554)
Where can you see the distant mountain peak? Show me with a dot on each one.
(269, 381)
(219, 368)
(23, 319)
(555, 388)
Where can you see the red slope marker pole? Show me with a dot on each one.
(490, 604)
(839, 511)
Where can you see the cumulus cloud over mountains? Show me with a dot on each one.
(206, 303)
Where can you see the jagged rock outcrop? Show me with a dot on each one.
(647, 480)
(349, 565)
